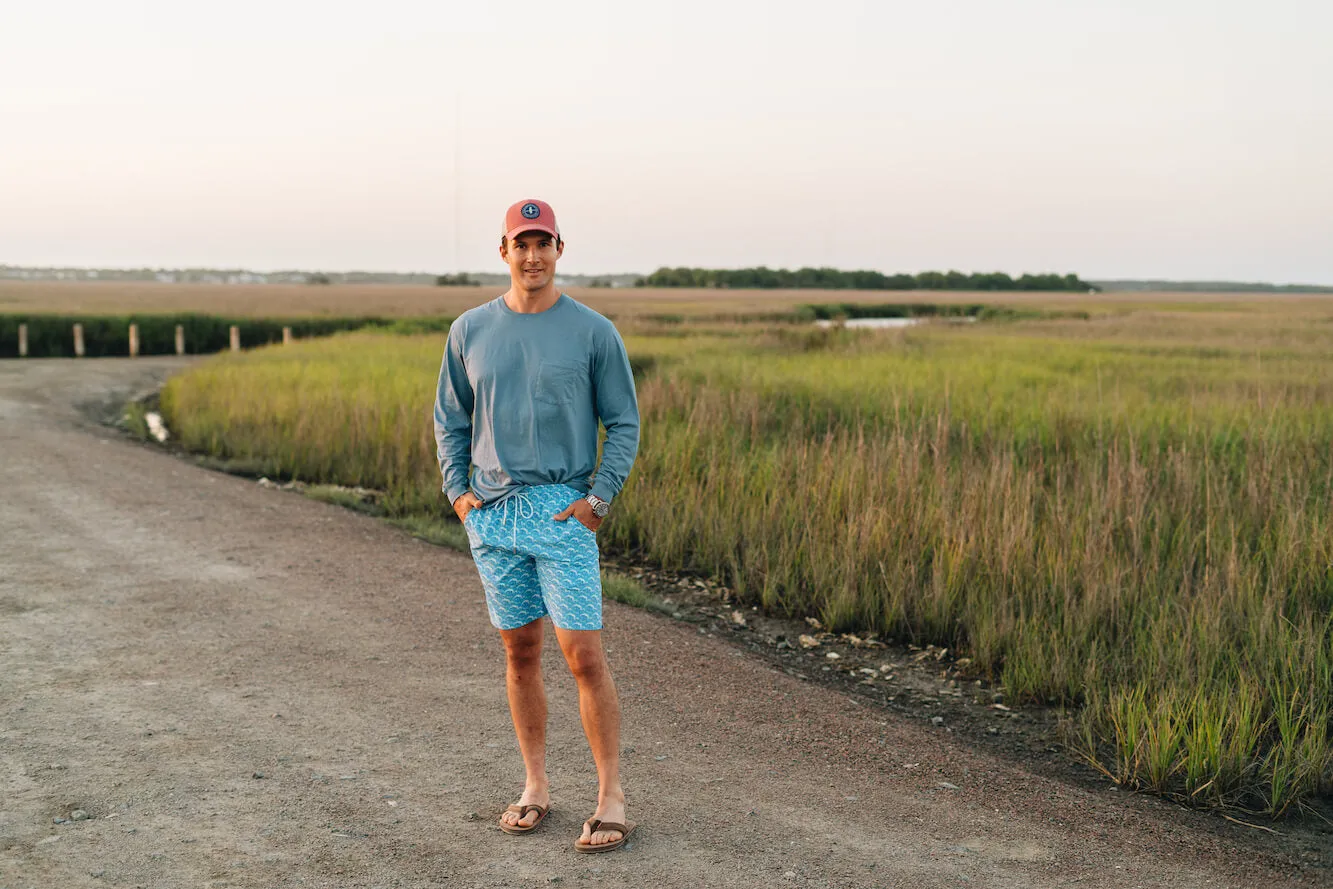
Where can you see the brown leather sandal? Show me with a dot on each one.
(594, 825)
(522, 812)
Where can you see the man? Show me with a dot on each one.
(525, 379)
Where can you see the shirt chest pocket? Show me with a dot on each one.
(560, 382)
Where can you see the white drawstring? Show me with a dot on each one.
(526, 510)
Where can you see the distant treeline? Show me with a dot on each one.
(52, 336)
(1161, 286)
(835, 279)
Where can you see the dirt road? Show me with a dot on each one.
(241, 687)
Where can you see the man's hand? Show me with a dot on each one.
(465, 503)
(582, 510)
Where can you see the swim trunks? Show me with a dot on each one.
(532, 565)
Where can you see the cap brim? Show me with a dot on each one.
(527, 227)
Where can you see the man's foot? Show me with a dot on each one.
(612, 812)
(541, 798)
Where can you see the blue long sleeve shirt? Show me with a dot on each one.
(520, 396)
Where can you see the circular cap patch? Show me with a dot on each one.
(531, 211)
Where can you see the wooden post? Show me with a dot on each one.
(78, 340)
(180, 339)
(235, 339)
(23, 341)
(286, 336)
(134, 340)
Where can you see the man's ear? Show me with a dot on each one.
(559, 248)
(504, 249)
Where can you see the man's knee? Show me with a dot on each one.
(586, 661)
(523, 646)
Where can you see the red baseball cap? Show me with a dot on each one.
(530, 215)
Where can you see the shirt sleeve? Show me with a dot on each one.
(453, 417)
(618, 411)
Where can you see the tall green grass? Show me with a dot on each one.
(1135, 521)
(351, 410)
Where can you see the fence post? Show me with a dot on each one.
(286, 336)
(134, 340)
(23, 341)
(235, 338)
(180, 339)
(78, 340)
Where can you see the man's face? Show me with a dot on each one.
(531, 257)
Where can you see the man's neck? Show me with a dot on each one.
(527, 302)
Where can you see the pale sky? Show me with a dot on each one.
(1142, 138)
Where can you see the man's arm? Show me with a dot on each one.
(618, 409)
(453, 417)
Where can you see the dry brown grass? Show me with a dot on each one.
(390, 300)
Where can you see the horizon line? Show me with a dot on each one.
(423, 273)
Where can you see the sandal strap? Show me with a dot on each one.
(597, 824)
(524, 809)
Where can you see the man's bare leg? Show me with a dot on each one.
(527, 706)
(599, 706)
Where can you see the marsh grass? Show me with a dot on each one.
(134, 420)
(340, 410)
(344, 497)
(440, 532)
(629, 591)
(1127, 515)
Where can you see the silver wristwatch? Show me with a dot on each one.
(599, 506)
